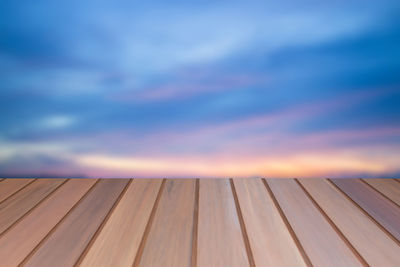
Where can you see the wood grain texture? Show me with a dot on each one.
(388, 187)
(240, 222)
(119, 240)
(169, 242)
(64, 246)
(320, 241)
(270, 240)
(220, 240)
(17, 243)
(10, 186)
(16, 206)
(354, 224)
(383, 211)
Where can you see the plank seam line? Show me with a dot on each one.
(103, 223)
(195, 224)
(379, 192)
(31, 209)
(148, 226)
(287, 224)
(334, 226)
(242, 225)
(1, 202)
(52, 230)
(366, 213)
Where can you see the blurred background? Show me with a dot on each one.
(199, 88)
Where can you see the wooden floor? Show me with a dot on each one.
(203, 223)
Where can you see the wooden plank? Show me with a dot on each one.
(388, 187)
(16, 206)
(365, 236)
(220, 239)
(270, 239)
(169, 242)
(382, 210)
(64, 246)
(10, 186)
(119, 240)
(17, 243)
(320, 241)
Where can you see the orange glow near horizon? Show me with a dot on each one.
(297, 166)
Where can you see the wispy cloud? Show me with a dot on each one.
(211, 89)
(298, 165)
(192, 86)
(57, 121)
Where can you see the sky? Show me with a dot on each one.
(200, 88)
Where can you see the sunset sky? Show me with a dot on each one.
(200, 89)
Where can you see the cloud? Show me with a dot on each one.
(57, 122)
(184, 87)
(257, 88)
(333, 164)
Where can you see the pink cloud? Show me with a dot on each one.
(184, 88)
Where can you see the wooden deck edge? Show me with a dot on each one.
(333, 225)
(195, 231)
(139, 253)
(33, 208)
(24, 186)
(366, 213)
(103, 223)
(242, 225)
(36, 248)
(380, 193)
(287, 224)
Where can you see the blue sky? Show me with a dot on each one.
(200, 89)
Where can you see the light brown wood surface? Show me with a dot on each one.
(383, 211)
(27, 234)
(118, 242)
(270, 240)
(169, 242)
(64, 246)
(10, 186)
(206, 222)
(320, 241)
(354, 224)
(388, 187)
(16, 206)
(220, 240)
